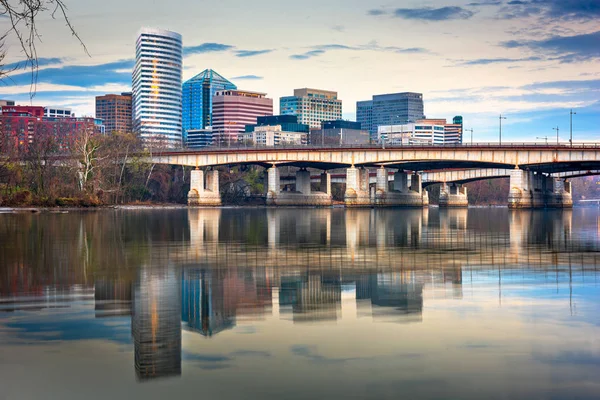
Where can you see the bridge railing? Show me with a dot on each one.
(488, 145)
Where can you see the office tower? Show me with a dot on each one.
(454, 131)
(197, 97)
(157, 88)
(364, 114)
(277, 130)
(338, 133)
(312, 106)
(57, 112)
(156, 323)
(390, 109)
(233, 110)
(115, 111)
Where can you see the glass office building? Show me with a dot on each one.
(197, 99)
(390, 109)
(312, 106)
(156, 104)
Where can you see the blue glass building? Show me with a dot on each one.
(198, 93)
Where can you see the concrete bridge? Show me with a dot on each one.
(534, 171)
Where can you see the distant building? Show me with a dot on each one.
(420, 133)
(197, 97)
(7, 103)
(452, 132)
(340, 132)
(277, 130)
(156, 94)
(233, 110)
(198, 138)
(115, 111)
(55, 112)
(390, 109)
(312, 106)
(364, 114)
(23, 124)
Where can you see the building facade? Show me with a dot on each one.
(233, 110)
(23, 125)
(55, 112)
(156, 100)
(339, 132)
(115, 111)
(390, 109)
(277, 130)
(199, 138)
(312, 106)
(416, 133)
(197, 97)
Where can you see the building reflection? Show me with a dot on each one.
(112, 297)
(311, 297)
(155, 323)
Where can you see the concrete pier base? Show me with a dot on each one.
(357, 188)
(204, 189)
(532, 190)
(453, 196)
(400, 194)
(303, 195)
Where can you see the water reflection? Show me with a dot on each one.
(159, 282)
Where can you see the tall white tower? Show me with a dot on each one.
(156, 103)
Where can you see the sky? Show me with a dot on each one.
(529, 60)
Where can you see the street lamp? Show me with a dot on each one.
(543, 137)
(501, 118)
(470, 130)
(571, 126)
(556, 129)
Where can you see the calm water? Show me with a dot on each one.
(298, 304)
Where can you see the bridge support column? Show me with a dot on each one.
(559, 195)
(204, 188)
(453, 195)
(273, 185)
(526, 190)
(357, 187)
(303, 195)
(401, 195)
(326, 183)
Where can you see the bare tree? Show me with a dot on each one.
(23, 16)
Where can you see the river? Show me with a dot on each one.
(483, 303)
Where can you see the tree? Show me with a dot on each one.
(22, 16)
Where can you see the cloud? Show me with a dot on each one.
(118, 72)
(372, 46)
(590, 84)
(485, 3)
(206, 48)
(552, 9)
(307, 55)
(376, 12)
(566, 49)
(428, 13)
(41, 62)
(248, 78)
(338, 28)
(310, 353)
(251, 53)
(487, 61)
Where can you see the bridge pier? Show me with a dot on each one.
(534, 190)
(204, 188)
(357, 187)
(453, 195)
(303, 195)
(401, 195)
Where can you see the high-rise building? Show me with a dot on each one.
(452, 132)
(197, 97)
(233, 110)
(312, 106)
(390, 109)
(364, 114)
(157, 87)
(115, 111)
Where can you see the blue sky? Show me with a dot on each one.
(531, 60)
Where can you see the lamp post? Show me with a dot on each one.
(571, 126)
(500, 119)
(470, 130)
(556, 129)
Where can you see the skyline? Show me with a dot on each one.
(529, 60)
